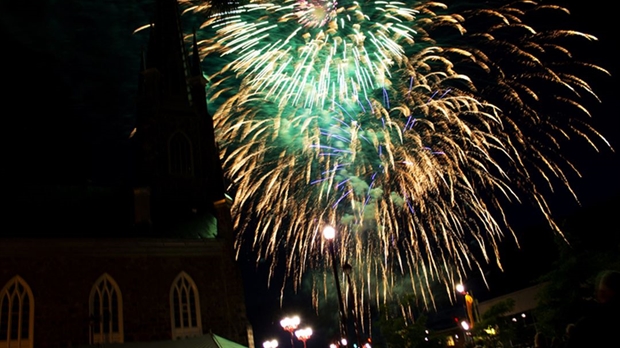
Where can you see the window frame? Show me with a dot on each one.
(20, 342)
(180, 155)
(111, 336)
(181, 332)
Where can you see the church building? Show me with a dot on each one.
(148, 261)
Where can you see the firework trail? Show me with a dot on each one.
(408, 126)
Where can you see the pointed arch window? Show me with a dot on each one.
(185, 308)
(16, 314)
(180, 155)
(106, 311)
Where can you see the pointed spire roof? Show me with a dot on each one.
(196, 69)
(166, 52)
(173, 82)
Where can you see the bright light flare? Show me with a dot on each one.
(329, 232)
(290, 323)
(460, 288)
(270, 344)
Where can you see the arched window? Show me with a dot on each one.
(184, 308)
(180, 155)
(16, 314)
(106, 311)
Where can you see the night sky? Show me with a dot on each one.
(70, 70)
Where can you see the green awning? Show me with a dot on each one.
(206, 341)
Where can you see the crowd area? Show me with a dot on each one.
(599, 328)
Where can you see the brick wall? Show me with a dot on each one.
(61, 274)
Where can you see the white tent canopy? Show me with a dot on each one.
(206, 341)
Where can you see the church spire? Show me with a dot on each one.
(167, 53)
(180, 164)
(196, 69)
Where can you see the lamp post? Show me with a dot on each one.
(290, 324)
(303, 335)
(470, 304)
(270, 344)
(329, 233)
(347, 269)
(466, 334)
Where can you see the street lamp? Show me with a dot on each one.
(290, 324)
(347, 269)
(303, 335)
(460, 288)
(466, 327)
(470, 305)
(270, 344)
(329, 233)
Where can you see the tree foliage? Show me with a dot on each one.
(593, 246)
(404, 331)
(503, 332)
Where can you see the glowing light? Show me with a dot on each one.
(290, 323)
(329, 232)
(304, 335)
(490, 330)
(270, 344)
(409, 125)
(465, 325)
(460, 288)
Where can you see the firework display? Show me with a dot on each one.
(409, 126)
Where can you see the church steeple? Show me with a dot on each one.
(180, 174)
(167, 53)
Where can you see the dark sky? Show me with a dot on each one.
(70, 73)
(72, 68)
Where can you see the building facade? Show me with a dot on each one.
(149, 260)
(67, 292)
